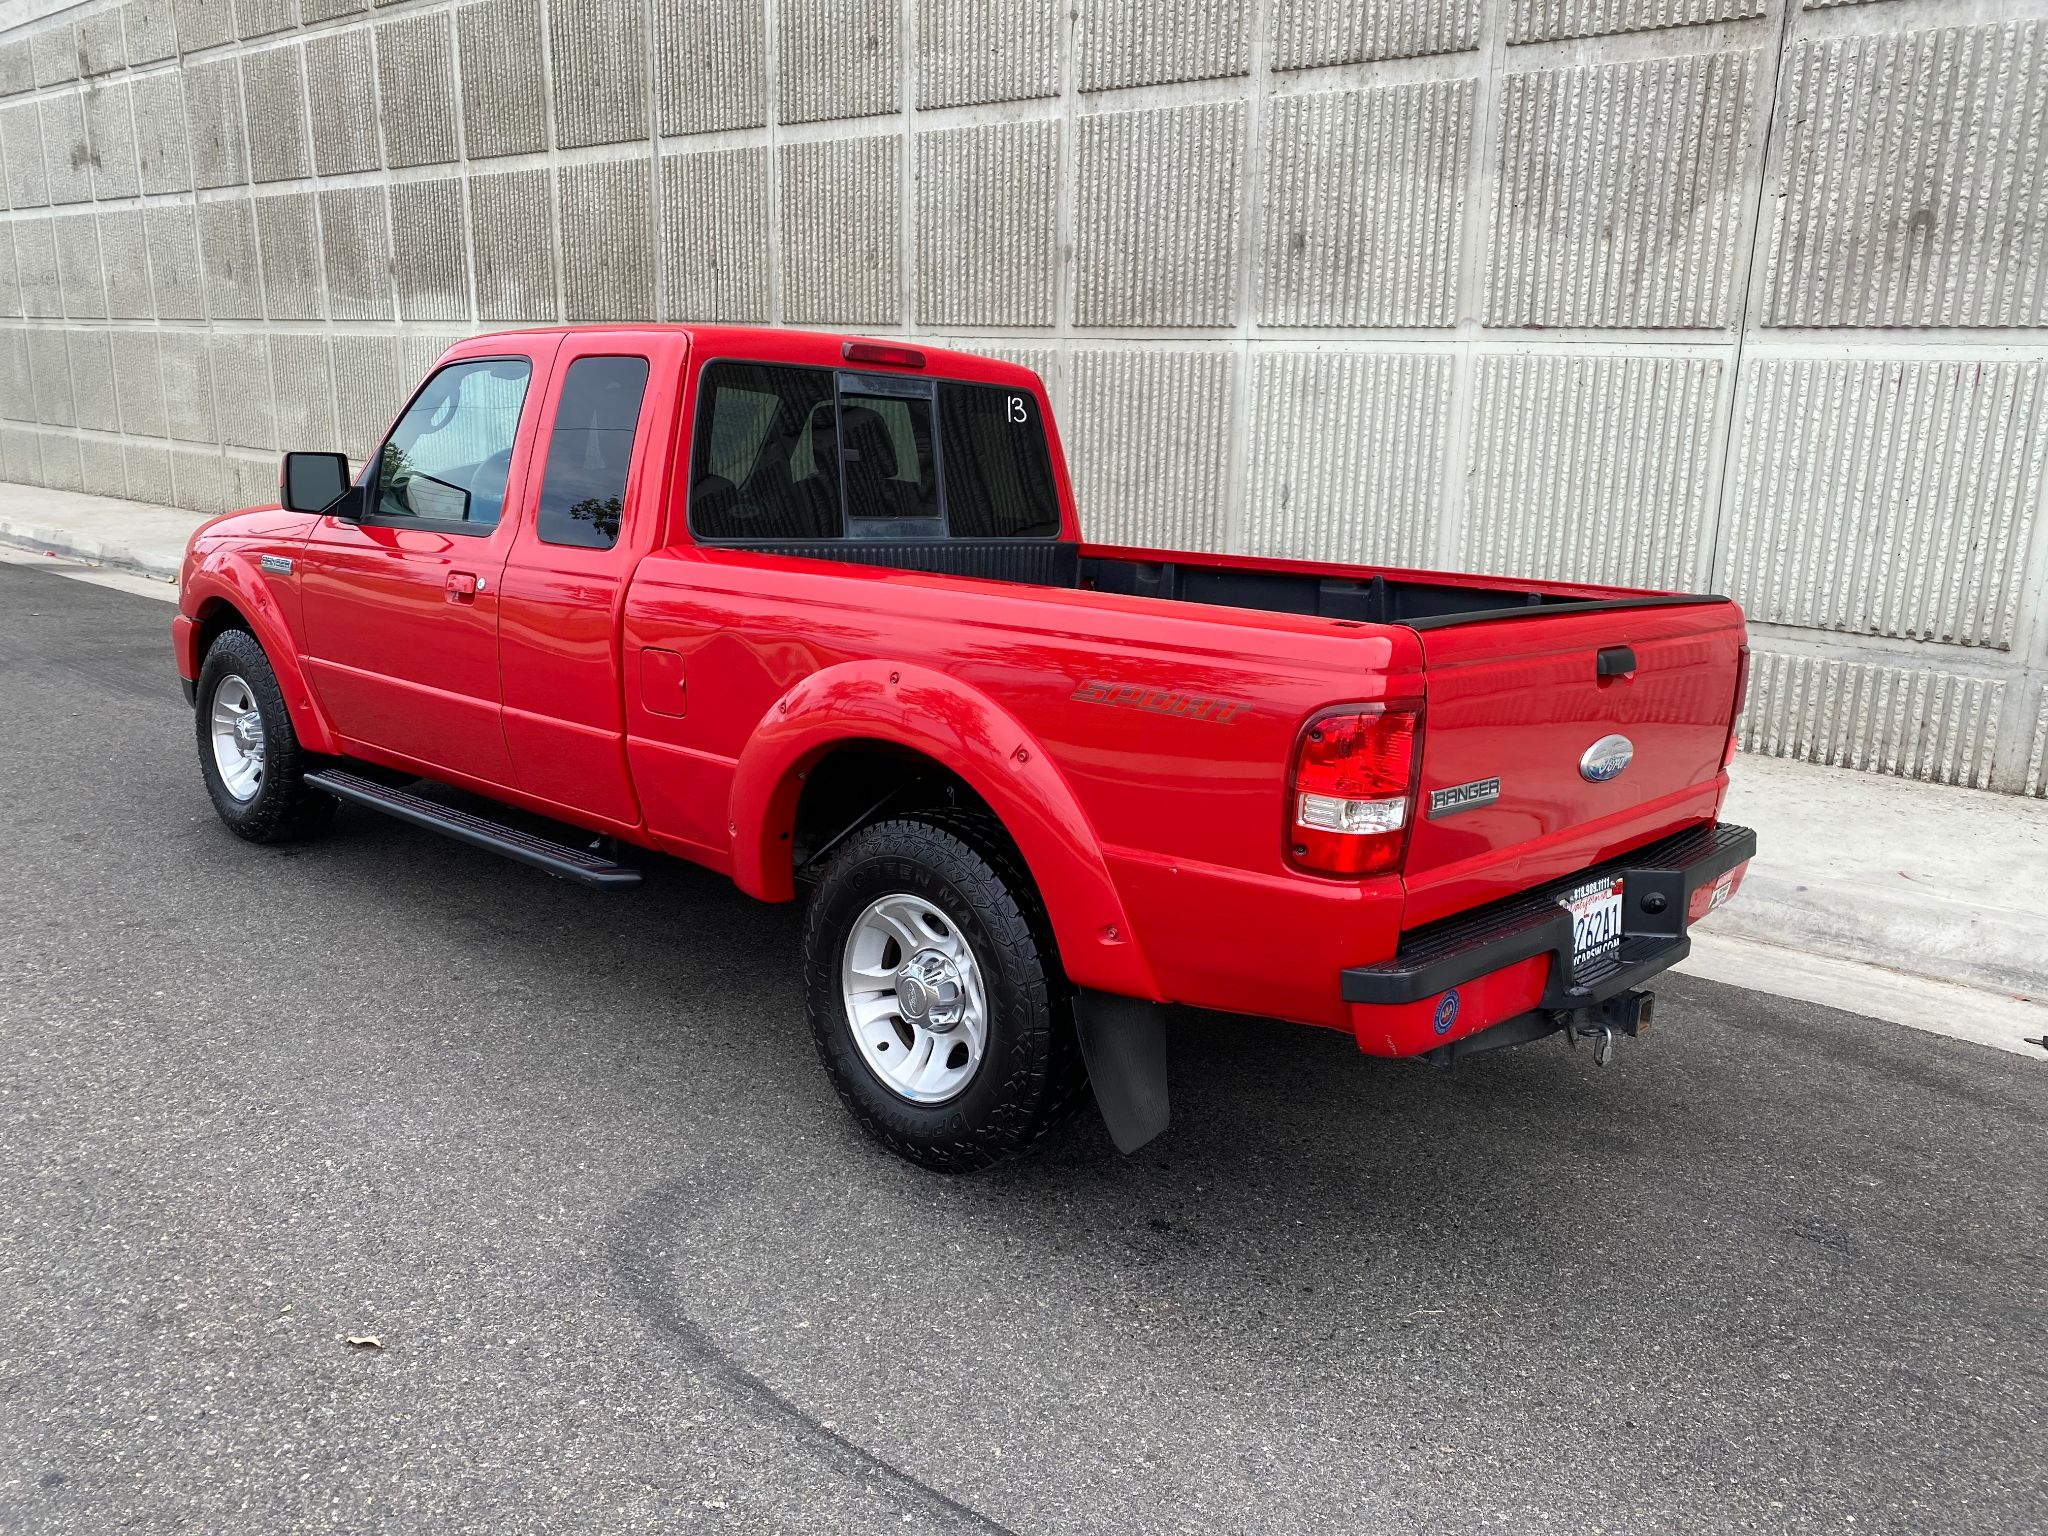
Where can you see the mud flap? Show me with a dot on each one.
(1123, 1041)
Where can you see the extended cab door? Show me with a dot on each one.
(401, 608)
(597, 510)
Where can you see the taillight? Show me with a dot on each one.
(1741, 698)
(1354, 784)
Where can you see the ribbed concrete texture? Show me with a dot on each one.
(1748, 295)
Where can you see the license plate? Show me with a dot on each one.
(1596, 922)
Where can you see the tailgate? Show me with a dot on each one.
(1538, 703)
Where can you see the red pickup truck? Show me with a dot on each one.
(815, 611)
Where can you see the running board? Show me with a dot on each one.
(493, 836)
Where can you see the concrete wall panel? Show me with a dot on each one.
(188, 386)
(49, 361)
(21, 455)
(10, 278)
(973, 51)
(711, 65)
(199, 479)
(92, 381)
(367, 391)
(1617, 195)
(1591, 468)
(504, 87)
(416, 90)
(54, 52)
(149, 471)
(1347, 455)
(714, 212)
(110, 131)
(288, 243)
(1157, 216)
(1149, 430)
(1136, 42)
(77, 237)
(21, 134)
(1915, 722)
(227, 251)
(987, 232)
(204, 23)
(139, 383)
(274, 105)
(17, 68)
(242, 387)
(1364, 204)
(213, 120)
(305, 391)
(1533, 21)
(841, 209)
(258, 18)
(102, 471)
(608, 260)
(124, 257)
(510, 216)
(1910, 182)
(1889, 498)
(150, 30)
(355, 245)
(67, 156)
(179, 281)
(1305, 33)
(839, 58)
(61, 469)
(430, 250)
(600, 62)
(35, 254)
(162, 150)
(17, 384)
(341, 82)
(101, 49)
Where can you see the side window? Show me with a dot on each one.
(998, 469)
(886, 441)
(766, 462)
(583, 488)
(447, 460)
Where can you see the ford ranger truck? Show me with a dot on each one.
(815, 611)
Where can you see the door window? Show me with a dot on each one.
(583, 489)
(767, 457)
(447, 461)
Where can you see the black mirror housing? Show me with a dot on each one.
(315, 482)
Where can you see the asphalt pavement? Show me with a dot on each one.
(571, 1160)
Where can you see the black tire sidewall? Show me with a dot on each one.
(999, 1110)
(280, 804)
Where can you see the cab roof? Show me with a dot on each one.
(814, 349)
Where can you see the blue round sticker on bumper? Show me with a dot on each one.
(1447, 1012)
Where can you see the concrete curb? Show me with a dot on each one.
(144, 559)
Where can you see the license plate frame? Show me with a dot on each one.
(1595, 911)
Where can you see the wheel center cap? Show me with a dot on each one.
(928, 992)
(249, 732)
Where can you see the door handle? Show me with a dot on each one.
(463, 587)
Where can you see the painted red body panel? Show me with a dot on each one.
(676, 695)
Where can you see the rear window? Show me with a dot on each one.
(583, 490)
(767, 454)
(998, 468)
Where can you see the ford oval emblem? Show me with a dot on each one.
(1606, 758)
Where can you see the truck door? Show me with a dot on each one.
(401, 608)
(597, 510)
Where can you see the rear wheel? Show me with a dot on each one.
(935, 995)
(249, 754)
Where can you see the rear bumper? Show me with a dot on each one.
(1453, 978)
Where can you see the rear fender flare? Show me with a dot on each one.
(966, 732)
(230, 576)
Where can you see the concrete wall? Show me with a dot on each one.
(1741, 294)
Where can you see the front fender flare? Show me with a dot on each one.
(966, 732)
(228, 574)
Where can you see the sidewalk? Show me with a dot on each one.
(1917, 903)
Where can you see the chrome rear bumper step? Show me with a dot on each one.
(576, 864)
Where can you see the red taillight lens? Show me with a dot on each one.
(1741, 698)
(1354, 777)
(882, 353)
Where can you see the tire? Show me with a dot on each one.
(274, 805)
(957, 876)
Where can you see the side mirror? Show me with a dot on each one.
(314, 482)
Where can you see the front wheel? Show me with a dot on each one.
(935, 995)
(249, 754)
